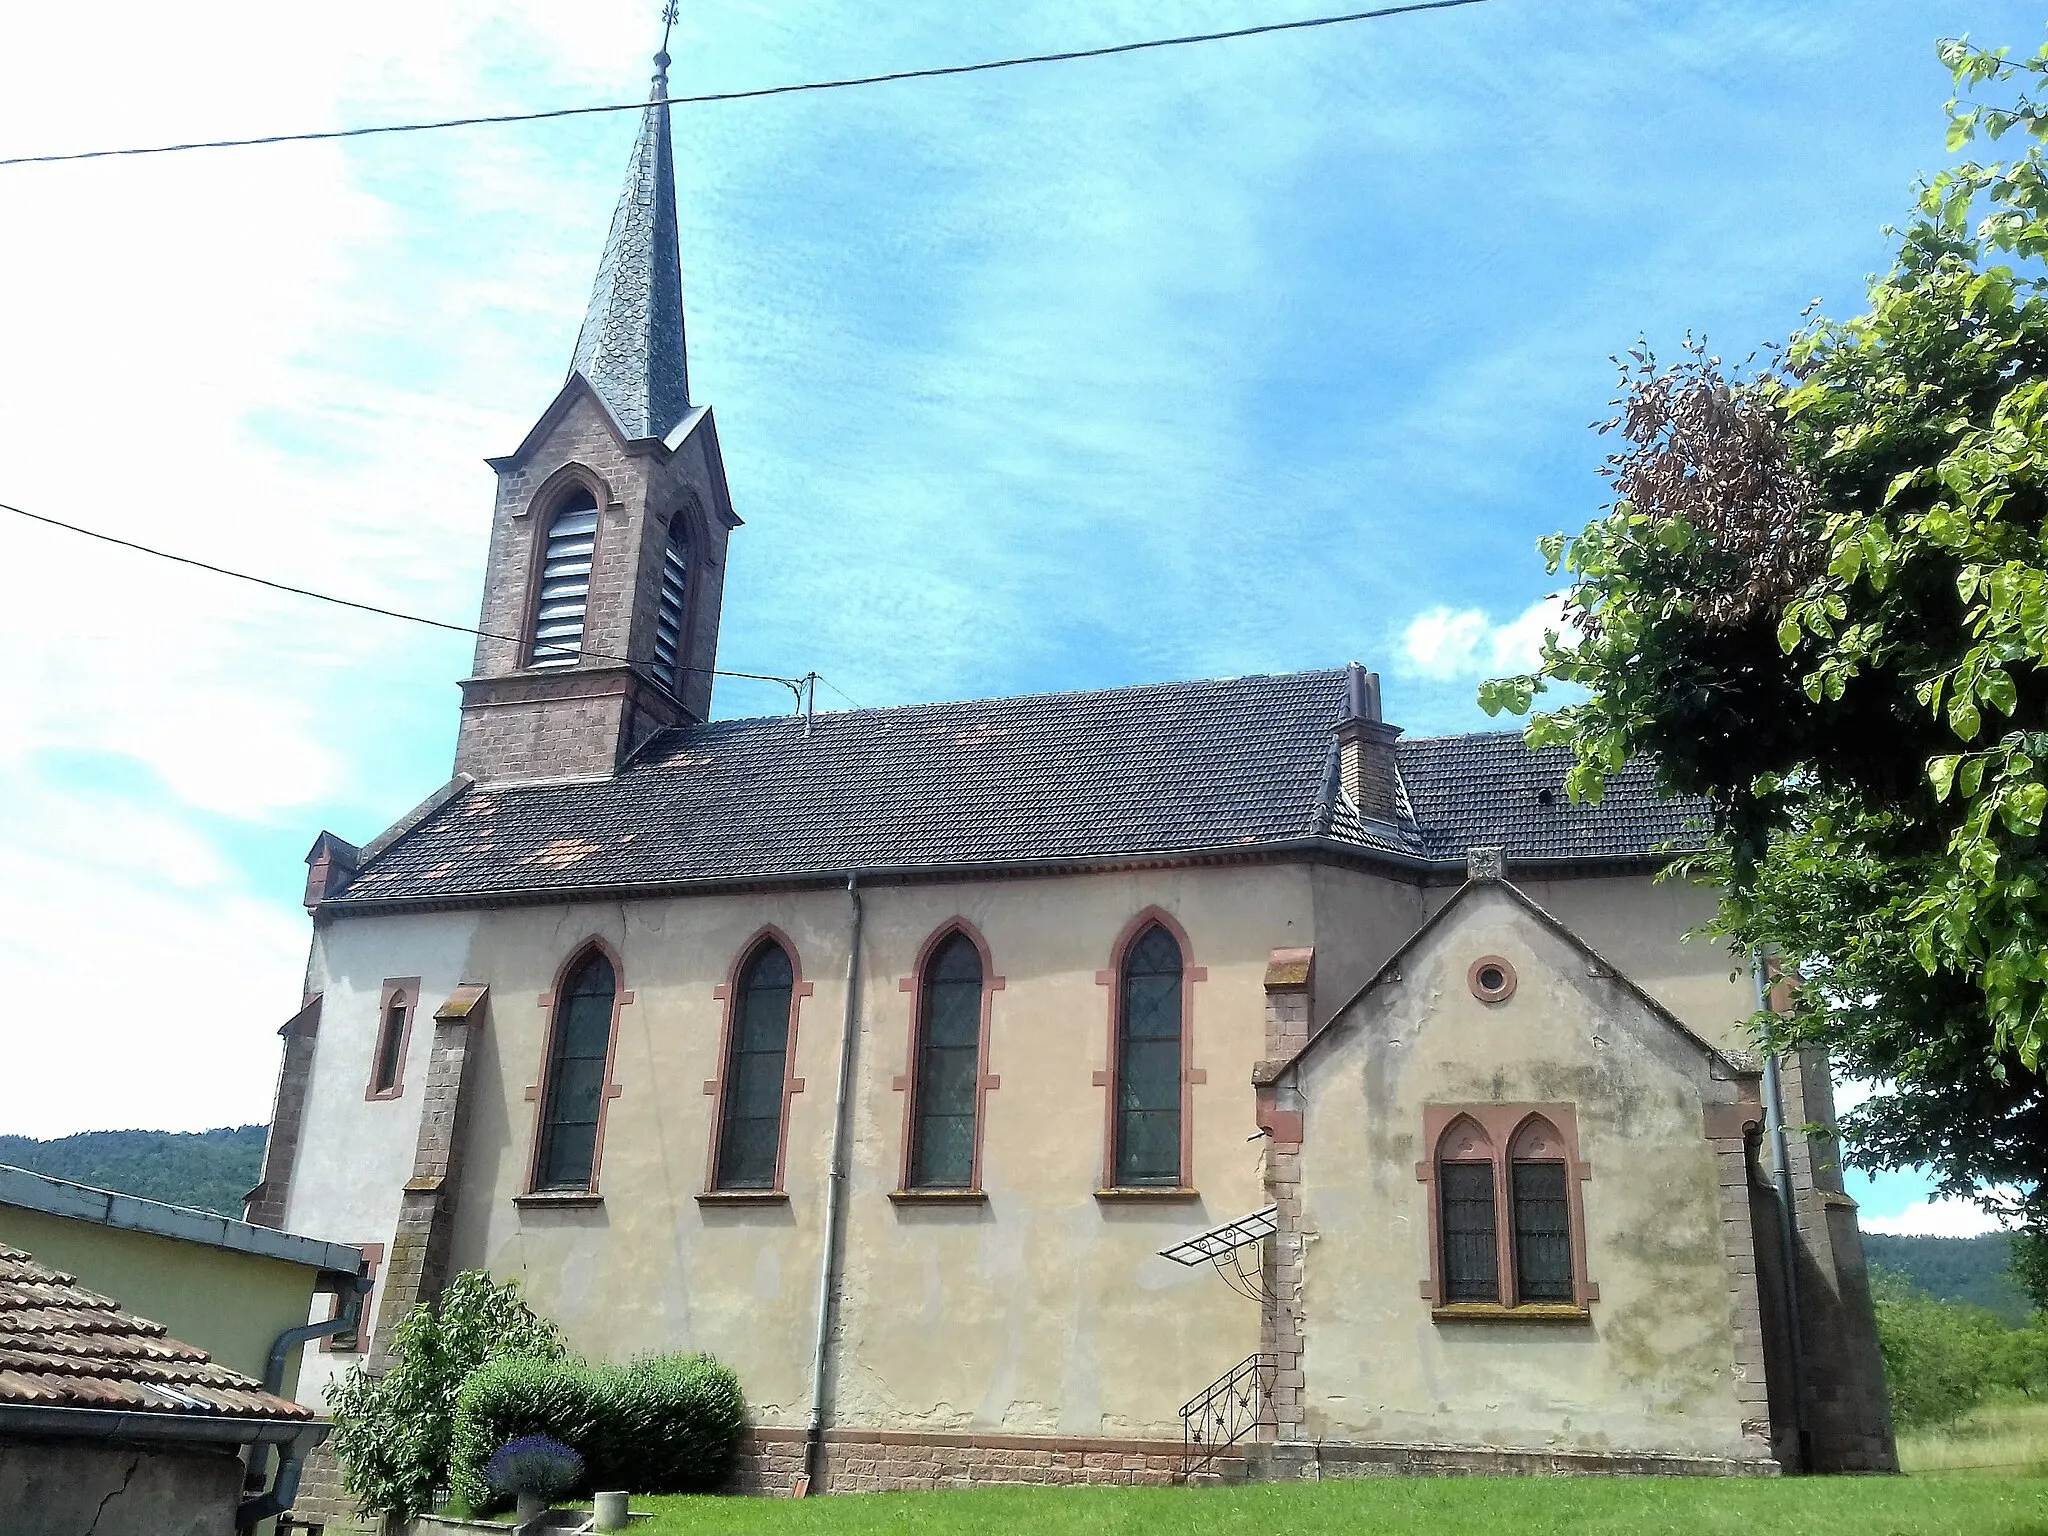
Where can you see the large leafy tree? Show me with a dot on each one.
(1820, 601)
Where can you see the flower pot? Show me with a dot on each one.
(610, 1512)
(531, 1506)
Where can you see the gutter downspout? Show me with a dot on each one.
(285, 1488)
(344, 1321)
(1788, 1229)
(835, 1200)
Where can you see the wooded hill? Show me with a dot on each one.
(208, 1170)
(1976, 1270)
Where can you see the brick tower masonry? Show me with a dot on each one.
(621, 434)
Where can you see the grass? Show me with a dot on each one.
(2004, 1437)
(1974, 1504)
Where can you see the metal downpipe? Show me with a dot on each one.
(1788, 1230)
(345, 1320)
(835, 1198)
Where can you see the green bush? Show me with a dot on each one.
(392, 1432)
(1939, 1356)
(666, 1424)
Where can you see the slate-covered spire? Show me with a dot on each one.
(631, 346)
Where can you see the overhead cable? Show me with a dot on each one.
(794, 684)
(1065, 56)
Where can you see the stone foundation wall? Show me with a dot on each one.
(1300, 1461)
(874, 1461)
(323, 1500)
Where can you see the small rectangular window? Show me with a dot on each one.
(1543, 1234)
(1471, 1270)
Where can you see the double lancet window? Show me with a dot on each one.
(749, 1148)
(1146, 1133)
(670, 612)
(574, 1085)
(945, 1085)
(1504, 1217)
(562, 594)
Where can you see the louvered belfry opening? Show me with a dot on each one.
(668, 617)
(563, 598)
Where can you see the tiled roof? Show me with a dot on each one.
(1176, 768)
(61, 1346)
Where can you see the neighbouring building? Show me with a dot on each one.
(889, 1054)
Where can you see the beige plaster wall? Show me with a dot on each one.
(1654, 1369)
(232, 1305)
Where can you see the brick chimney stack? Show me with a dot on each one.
(1365, 744)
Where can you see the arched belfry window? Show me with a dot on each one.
(756, 1071)
(1543, 1228)
(573, 1092)
(1465, 1213)
(562, 595)
(1147, 1128)
(672, 610)
(946, 1088)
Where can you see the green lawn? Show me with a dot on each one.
(1978, 1504)
(1997, 1437)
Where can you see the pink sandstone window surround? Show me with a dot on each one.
(572, 1100)
(946, 1081)
(1148, 1120)
(1503, 1187)
(396, 1001)
(751, 1096)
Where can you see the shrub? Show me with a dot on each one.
(665, 1424)
(392, 1432)
(1939, 1356)
(533, 1464)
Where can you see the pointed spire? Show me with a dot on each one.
(630, 349)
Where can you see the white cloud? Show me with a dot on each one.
(1448, 645)
(1936, 1218)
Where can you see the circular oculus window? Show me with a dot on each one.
(1491, 978)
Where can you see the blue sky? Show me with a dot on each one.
(1250, 357)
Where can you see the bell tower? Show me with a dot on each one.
(607, 553)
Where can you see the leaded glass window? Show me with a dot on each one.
(750, 1134)
(575, 1080)
(1471, 1270)
(668, 615)
(1543, 1233)
(563, 597)
(1148, 1067)
(948, 1068)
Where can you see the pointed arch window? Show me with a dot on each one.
(672, 610)
(574, 1088)
(395, 1004)
(945, 1091)
(749, 1151)
(1506, 1225)
(1149, 1064)
(562, 595)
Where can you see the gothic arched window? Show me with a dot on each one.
(1542, 1206)
(670, 613)
(573, 1088)
(1148, 1071)
(562, 594)
(756, 1072)
(394, 1028)
(946, 1081)
(1465, 1213)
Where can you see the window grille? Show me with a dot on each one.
(948, 1068)
(668, 617)
(1148, 1069)
(390, 1042)
(1543, 1233)
(576, 1069)
(750, 1135)
(1471, 1270)
(564, 596)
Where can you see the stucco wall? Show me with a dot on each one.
(53, 1488)
(232, 1305)
(1654, 1368)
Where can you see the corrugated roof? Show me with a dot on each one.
(1174, 768)
(62, 1346)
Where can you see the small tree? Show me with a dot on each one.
(391, 1432)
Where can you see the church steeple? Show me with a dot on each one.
(630, 350)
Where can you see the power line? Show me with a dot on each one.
(710, 98)
(794, 684)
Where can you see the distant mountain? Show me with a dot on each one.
(208, 1170)
(1977, 1270)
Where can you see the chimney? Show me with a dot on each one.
(330, 865)
(1365, 746)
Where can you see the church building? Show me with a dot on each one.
(1201, 1079)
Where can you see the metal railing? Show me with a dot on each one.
(1225, 1411)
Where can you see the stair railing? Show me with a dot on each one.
(1225, 1411)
